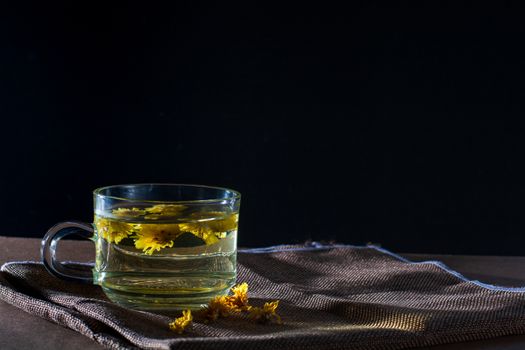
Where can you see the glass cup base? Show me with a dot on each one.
(167, 299)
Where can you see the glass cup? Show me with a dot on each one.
(158, 246)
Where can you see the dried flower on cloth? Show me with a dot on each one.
(180, 324)
(224, 306)
(217, 307)
(239, 299)
(267, 313)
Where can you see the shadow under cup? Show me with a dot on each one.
(158, 246)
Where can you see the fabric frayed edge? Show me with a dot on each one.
(312, 246)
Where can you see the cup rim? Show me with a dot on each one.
(236, 195)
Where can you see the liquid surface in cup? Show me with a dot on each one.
(165, 256)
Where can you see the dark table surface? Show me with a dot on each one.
(19, 330)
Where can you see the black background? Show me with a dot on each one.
(390, 125)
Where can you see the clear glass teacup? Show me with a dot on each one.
(158, 246)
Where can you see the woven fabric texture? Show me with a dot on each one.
(330, 297)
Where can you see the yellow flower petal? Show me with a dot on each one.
(239, 299)
(217, 221)
(181, 323)
(128, 212)
(163, 210)
(210, 226)
(223, 306)
(154, 237)
(217, 307)
(210, 229)
(267, 313)
(114, 231)
(200, 230)
(226, 224)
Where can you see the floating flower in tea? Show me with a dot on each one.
(128, 212)
(114, 231)
(209, 226)
(152, 238)
(163, 211)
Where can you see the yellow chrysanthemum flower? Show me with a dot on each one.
(181, 323)
(128, 212)
(225, 224)
(239, 299)
(217, 221)
(267, 313)
(217, 307)
(114, 231)
(163, 210)
(224, 305)
(154, 237)
(200, 230)
(210, 231)
(210, 226)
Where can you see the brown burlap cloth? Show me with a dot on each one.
(331, 297)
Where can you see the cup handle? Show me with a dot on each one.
(48, 248)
